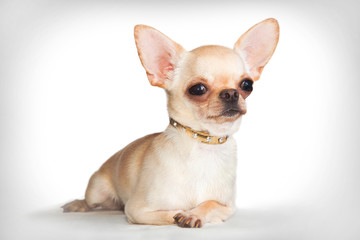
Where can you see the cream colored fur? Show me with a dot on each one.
(169, 177)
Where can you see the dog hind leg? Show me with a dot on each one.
(99, 194)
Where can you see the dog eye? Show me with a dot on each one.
(246, 85)
(198, 89)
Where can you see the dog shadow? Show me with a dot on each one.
(106, 224)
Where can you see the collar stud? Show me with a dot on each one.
(203, 137)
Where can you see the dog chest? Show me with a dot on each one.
(213, 170)
(186, 179)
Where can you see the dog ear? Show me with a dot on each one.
(158, 53)
(257, 45)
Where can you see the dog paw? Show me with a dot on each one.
(187, 220)
(76, 206)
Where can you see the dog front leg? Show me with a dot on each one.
(206, 212)
(143, 215)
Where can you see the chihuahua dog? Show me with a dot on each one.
(186, 174)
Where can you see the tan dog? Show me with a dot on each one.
(186, 174)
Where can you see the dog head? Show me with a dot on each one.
(207, 87)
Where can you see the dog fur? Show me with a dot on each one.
(169, 177)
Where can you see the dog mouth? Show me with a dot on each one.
(231, 112)
(228, 115)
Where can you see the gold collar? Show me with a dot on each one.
(203, 137)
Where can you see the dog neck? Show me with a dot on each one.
(203, 137)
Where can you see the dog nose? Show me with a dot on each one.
(229, 95)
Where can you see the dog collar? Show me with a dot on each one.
(203, 137)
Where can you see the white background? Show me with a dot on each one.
(73, 92)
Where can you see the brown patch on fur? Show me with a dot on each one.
(111, 186)
(127, 165)
(204, 208)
